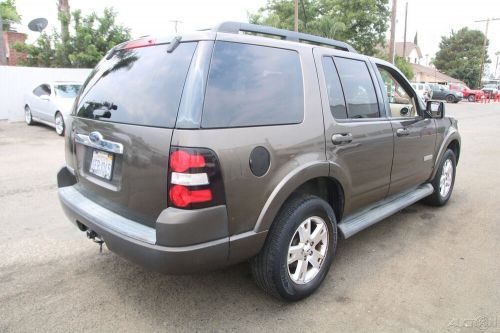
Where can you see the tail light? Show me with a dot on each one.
(194, 178)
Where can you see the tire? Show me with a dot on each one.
(450, 99)
(59, 122)
(471, 98)
(28, 117)
(271, 268)
(441, 196)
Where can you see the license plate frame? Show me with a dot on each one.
(102, 164)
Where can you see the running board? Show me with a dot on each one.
(353, 224)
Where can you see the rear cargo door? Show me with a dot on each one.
(123, 125)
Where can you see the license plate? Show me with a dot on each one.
(102, 164)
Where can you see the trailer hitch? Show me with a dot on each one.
(91, 234)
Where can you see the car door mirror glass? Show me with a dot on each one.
(435, 109)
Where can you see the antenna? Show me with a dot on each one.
(38, 24)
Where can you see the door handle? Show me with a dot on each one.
(402, 132)
(339, 139)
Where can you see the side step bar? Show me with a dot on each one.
(353, 224)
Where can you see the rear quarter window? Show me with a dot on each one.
(250, 85)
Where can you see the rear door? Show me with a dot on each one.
(358, 136)
(414, 134)
(122, 128)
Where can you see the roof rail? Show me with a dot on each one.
(236, 27)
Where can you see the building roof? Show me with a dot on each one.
(432, 72)
(399, 46)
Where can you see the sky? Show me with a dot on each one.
(430, 18)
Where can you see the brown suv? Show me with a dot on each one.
(220, 146)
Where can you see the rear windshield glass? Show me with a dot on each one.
(140, 86)
(251, 85)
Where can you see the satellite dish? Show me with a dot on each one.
(38, 24)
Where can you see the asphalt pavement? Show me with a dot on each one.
(422, 270)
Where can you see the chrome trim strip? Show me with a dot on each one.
(106, 145)
(97, 214)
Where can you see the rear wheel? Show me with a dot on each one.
(444, 180)
(471, 98)
(299, 249)
(59, 121)
(450, 99)
(28, 118)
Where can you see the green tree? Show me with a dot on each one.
(9, 13)
(362, 23)
(89, 40)
(460, 55)
(404, 66)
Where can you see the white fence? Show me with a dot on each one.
(15, 82)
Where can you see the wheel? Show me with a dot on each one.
(471, 98)
(450, 99)
(59, 120)
(299, 249)
(443, 181)
(28, 118)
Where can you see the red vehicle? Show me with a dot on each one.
(469, 94)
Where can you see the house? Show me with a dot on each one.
(429, 74)
(412, 52)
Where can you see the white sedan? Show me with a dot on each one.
(50, 103)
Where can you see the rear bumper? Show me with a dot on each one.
(135, 241)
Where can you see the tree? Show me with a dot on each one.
(405, 67)
(460, 55)
(89, 40)
(362, 23)
(9, 13)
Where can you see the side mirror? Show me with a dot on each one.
(45, 97)
(435, 109)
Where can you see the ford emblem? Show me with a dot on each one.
(95, 137)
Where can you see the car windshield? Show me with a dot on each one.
(67, 90)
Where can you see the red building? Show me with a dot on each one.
(9, 39)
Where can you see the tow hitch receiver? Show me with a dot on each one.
(91, 234)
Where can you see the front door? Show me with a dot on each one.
(414, 134)
(359, 138)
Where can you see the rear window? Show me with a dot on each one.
(251, 85)
(141, 86)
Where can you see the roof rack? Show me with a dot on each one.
(236, 27)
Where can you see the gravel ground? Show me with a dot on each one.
(422, 270)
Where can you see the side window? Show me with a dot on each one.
(334, 89)
(38, 91)
(401, 104)
(250, 85)
(358, 88)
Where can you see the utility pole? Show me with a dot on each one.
(296, 16)
(3, 52)
(392, 45)
(404, 38)
(175, 22)
(484, 45)
(496, 67)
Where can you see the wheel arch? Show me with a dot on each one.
(311, 179)
(452, 141)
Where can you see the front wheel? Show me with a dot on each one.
(299, 249)
(59, 121)
(471, 98)
(444, 180)
(28, 117)
(450, 99)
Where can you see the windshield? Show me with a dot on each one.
(67, 90)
